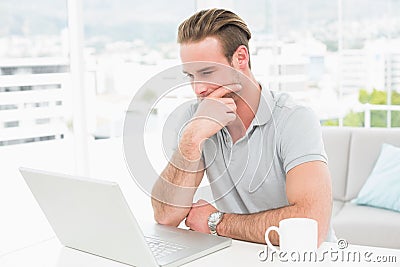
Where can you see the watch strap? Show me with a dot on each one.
(213, 220)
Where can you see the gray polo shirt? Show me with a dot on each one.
(249, 176)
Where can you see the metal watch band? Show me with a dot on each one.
(213, 220)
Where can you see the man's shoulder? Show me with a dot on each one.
(181, 115)
(190, 106)
(288, 109)
(185, 111)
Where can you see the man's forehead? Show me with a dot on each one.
(208, 49)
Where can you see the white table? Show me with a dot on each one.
(51, 253)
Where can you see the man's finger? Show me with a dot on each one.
(234, 87)
(199, 203)
(226, 89)
(232, 107)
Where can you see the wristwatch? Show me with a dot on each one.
(213, 220)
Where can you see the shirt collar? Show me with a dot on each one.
(265, 107)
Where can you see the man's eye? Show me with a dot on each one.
(190, 76)
(207, 72)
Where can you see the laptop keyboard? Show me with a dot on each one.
(161, 248)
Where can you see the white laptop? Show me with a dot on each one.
(93, 216)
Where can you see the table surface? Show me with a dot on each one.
(50, 253)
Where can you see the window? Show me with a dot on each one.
(368, 48)
(34, 132)
(296, 52)
(123, 52)
(11, 124)
(34, 67)
(43, 121)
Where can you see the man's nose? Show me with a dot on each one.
(200, 88)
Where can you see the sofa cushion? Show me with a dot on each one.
(363, 225)
(336, 143)
(382, 188)
(365, 147)
(336, 207)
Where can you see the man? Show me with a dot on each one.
(263, 154)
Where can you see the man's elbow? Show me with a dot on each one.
(322, 234)
(166, 220)
(323, 227)
(164, 216)
(167, 215)
(322, 217)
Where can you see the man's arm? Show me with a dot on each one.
(172, 194)
(308, 189)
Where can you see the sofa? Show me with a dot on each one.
(352, 153)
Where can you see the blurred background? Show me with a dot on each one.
(69, 69)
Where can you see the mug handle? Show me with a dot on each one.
(262, 254)
(271, 228)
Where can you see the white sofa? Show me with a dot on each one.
(352, 153)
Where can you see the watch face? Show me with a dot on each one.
(214, 217)
(213, 221)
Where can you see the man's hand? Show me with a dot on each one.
(213, 113)
(197, 219)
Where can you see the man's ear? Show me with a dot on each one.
(241, 57)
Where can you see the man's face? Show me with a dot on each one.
(207, 67)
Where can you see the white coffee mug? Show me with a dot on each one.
(295, 234)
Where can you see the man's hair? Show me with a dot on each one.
(223, 24)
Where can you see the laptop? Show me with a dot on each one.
(93, 216)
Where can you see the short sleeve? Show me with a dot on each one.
(301, 139)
